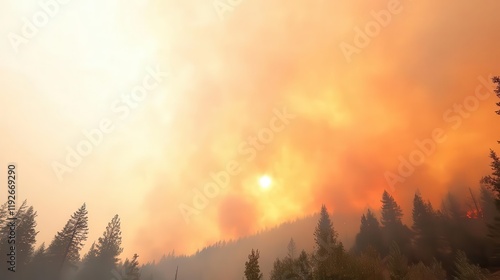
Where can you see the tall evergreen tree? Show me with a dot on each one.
(493, 183)
(109, 245)
(278, 270)
(423, 227)
(493, 180)
(102, 258)
(303, 266)
(329, 252)
(391, 211)
(64, 251)
(292, 268)
(429, 238)
(26, 238)
(370, 234)
(393, 229)
(252, 268)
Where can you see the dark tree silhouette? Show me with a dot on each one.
(131, 268)
(424, 227)
(101, 261)
(393, 229)
(252, 268)
(26, 238)
(391, 212)
(329, 252)
(370, 234)
(292, 268)
(64, 251)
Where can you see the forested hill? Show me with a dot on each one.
(225, 260)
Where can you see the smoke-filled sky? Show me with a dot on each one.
(133, 107)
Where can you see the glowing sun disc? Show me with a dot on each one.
(265, 182)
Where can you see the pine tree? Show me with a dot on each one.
(370, 234)
(252, 268)
(303, 266)
(64, 251)
(281, 269)
(393, 229)
(109, 245)
(493, 183)
(292, 268)
(329, 252)
(429, 239)
(423, 226)
(132, 268)
(391, 211)
(102, 258)
(26, 238)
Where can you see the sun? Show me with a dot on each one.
(265, 182)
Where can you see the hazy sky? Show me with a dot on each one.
(217, 75)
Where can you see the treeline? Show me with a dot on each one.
(61, 258)
(449, 243)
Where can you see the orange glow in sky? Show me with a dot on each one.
(140, 103)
